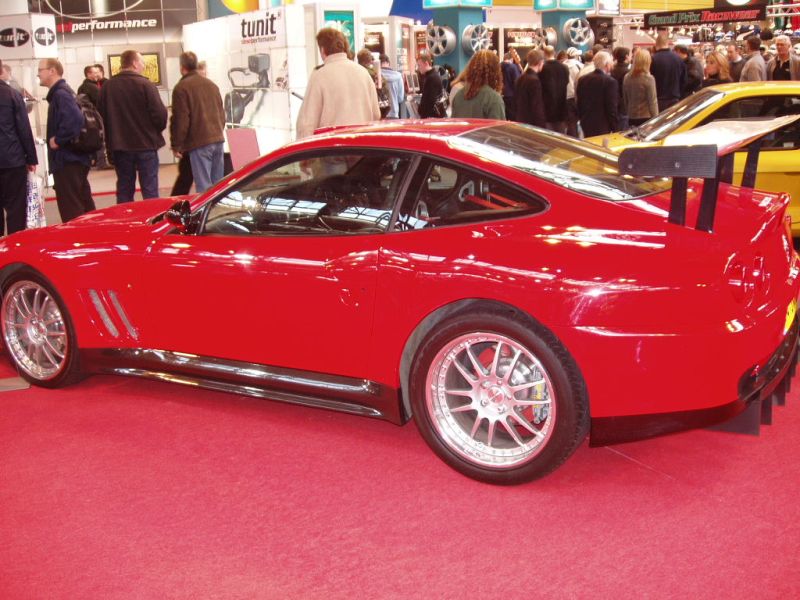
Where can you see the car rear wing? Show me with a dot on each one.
(706, 152)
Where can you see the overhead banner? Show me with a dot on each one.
(79, 22)
(710, 16)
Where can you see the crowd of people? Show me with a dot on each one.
(133, 119)
(596, 93)
(566, 92)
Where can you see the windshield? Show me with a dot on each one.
(676, 115)
(563, 160)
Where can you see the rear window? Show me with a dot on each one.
(565, 161)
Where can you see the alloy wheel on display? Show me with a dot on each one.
(578, 32)
(490, 400)
(34, 330)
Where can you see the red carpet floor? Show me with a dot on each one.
(121, 488)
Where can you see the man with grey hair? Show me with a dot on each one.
(786, 65)
(598, 98)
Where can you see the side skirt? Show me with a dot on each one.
(318, 390)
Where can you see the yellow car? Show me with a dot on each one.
(779, 163)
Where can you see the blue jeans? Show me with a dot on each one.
(207, 165)
(127, 164)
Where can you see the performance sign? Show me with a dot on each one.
(754, 12)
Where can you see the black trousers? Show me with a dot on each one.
(184, 180)
(13, 203)
(73, 193)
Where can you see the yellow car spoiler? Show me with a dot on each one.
(705, 152)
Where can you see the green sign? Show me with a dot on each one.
(456, 3)
(542, 5)
(344, 21)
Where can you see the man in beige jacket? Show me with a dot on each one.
(339, 92)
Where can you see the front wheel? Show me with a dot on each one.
(498, 398)
(37, 332)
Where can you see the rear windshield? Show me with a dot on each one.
(666, 122)
(563, 160)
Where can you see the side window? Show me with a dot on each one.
(339, 194)
(760, 106)
(451, 195)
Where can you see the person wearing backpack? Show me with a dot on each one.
(70, 167)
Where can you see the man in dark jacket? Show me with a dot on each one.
(134, 117)
(511, 72)
(197, 123)
(70, 169)
(669, 72)
(528, 92)
(555, 78)
(694, 70)
(89, 85)
(17, 158)
(597, 98)
(432, 87)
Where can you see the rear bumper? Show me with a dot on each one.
(757, 384)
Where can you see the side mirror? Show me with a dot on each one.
(180, 215)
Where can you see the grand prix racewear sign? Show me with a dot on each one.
(726, 13)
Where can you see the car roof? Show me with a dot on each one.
(751, 88)
(422, 127)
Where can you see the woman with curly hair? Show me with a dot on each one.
(480, 97)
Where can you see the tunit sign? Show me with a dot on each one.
(28, 36)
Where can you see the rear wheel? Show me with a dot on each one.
(497, 398)
(37, 331)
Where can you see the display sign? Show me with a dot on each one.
(108, 21)
(261, 27)
(608, 7)
(152, 65)
(754, 12)
(28, 36)
(344, 21)
(545, 5)
(428, 4)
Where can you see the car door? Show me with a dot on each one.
(282, 271)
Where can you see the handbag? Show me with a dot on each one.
(35, 216)
(441, 104)
(384, 102)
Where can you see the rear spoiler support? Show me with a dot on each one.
(681, 163)
(683, 155)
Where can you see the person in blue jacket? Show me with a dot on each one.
(17, 158)
(70, 169)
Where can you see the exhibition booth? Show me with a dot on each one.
(261, 52)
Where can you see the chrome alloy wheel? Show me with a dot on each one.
(34, 330)
(490, 400)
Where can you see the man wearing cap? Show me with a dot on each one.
(785, 66)
(574, 65)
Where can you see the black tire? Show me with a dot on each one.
(54, 334)
(463, 435)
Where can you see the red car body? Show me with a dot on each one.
(668, 327)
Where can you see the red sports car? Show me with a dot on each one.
(507, 288)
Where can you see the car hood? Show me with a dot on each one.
(125, 214)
